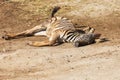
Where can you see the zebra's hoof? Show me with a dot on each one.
(6, 37)
(30, 43)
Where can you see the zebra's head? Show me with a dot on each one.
(86, 39)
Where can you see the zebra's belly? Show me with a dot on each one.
(42, 33)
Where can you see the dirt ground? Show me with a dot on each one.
(100, 61)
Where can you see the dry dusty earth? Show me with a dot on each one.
(100, 61)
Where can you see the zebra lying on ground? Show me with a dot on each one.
(58, 29)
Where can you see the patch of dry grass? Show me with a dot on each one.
(43, 7)
(35, 7)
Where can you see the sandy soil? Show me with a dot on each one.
(100, 61)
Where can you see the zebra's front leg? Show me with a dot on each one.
(89, 30)
(29, 32)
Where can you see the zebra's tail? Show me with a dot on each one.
(55, 9)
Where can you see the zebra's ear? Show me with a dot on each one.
(76, 44)
(97, 35)
(80, 43)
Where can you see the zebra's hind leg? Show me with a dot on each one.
(29, 32)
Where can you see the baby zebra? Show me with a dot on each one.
(57, 29)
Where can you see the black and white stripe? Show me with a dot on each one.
(74, 36)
